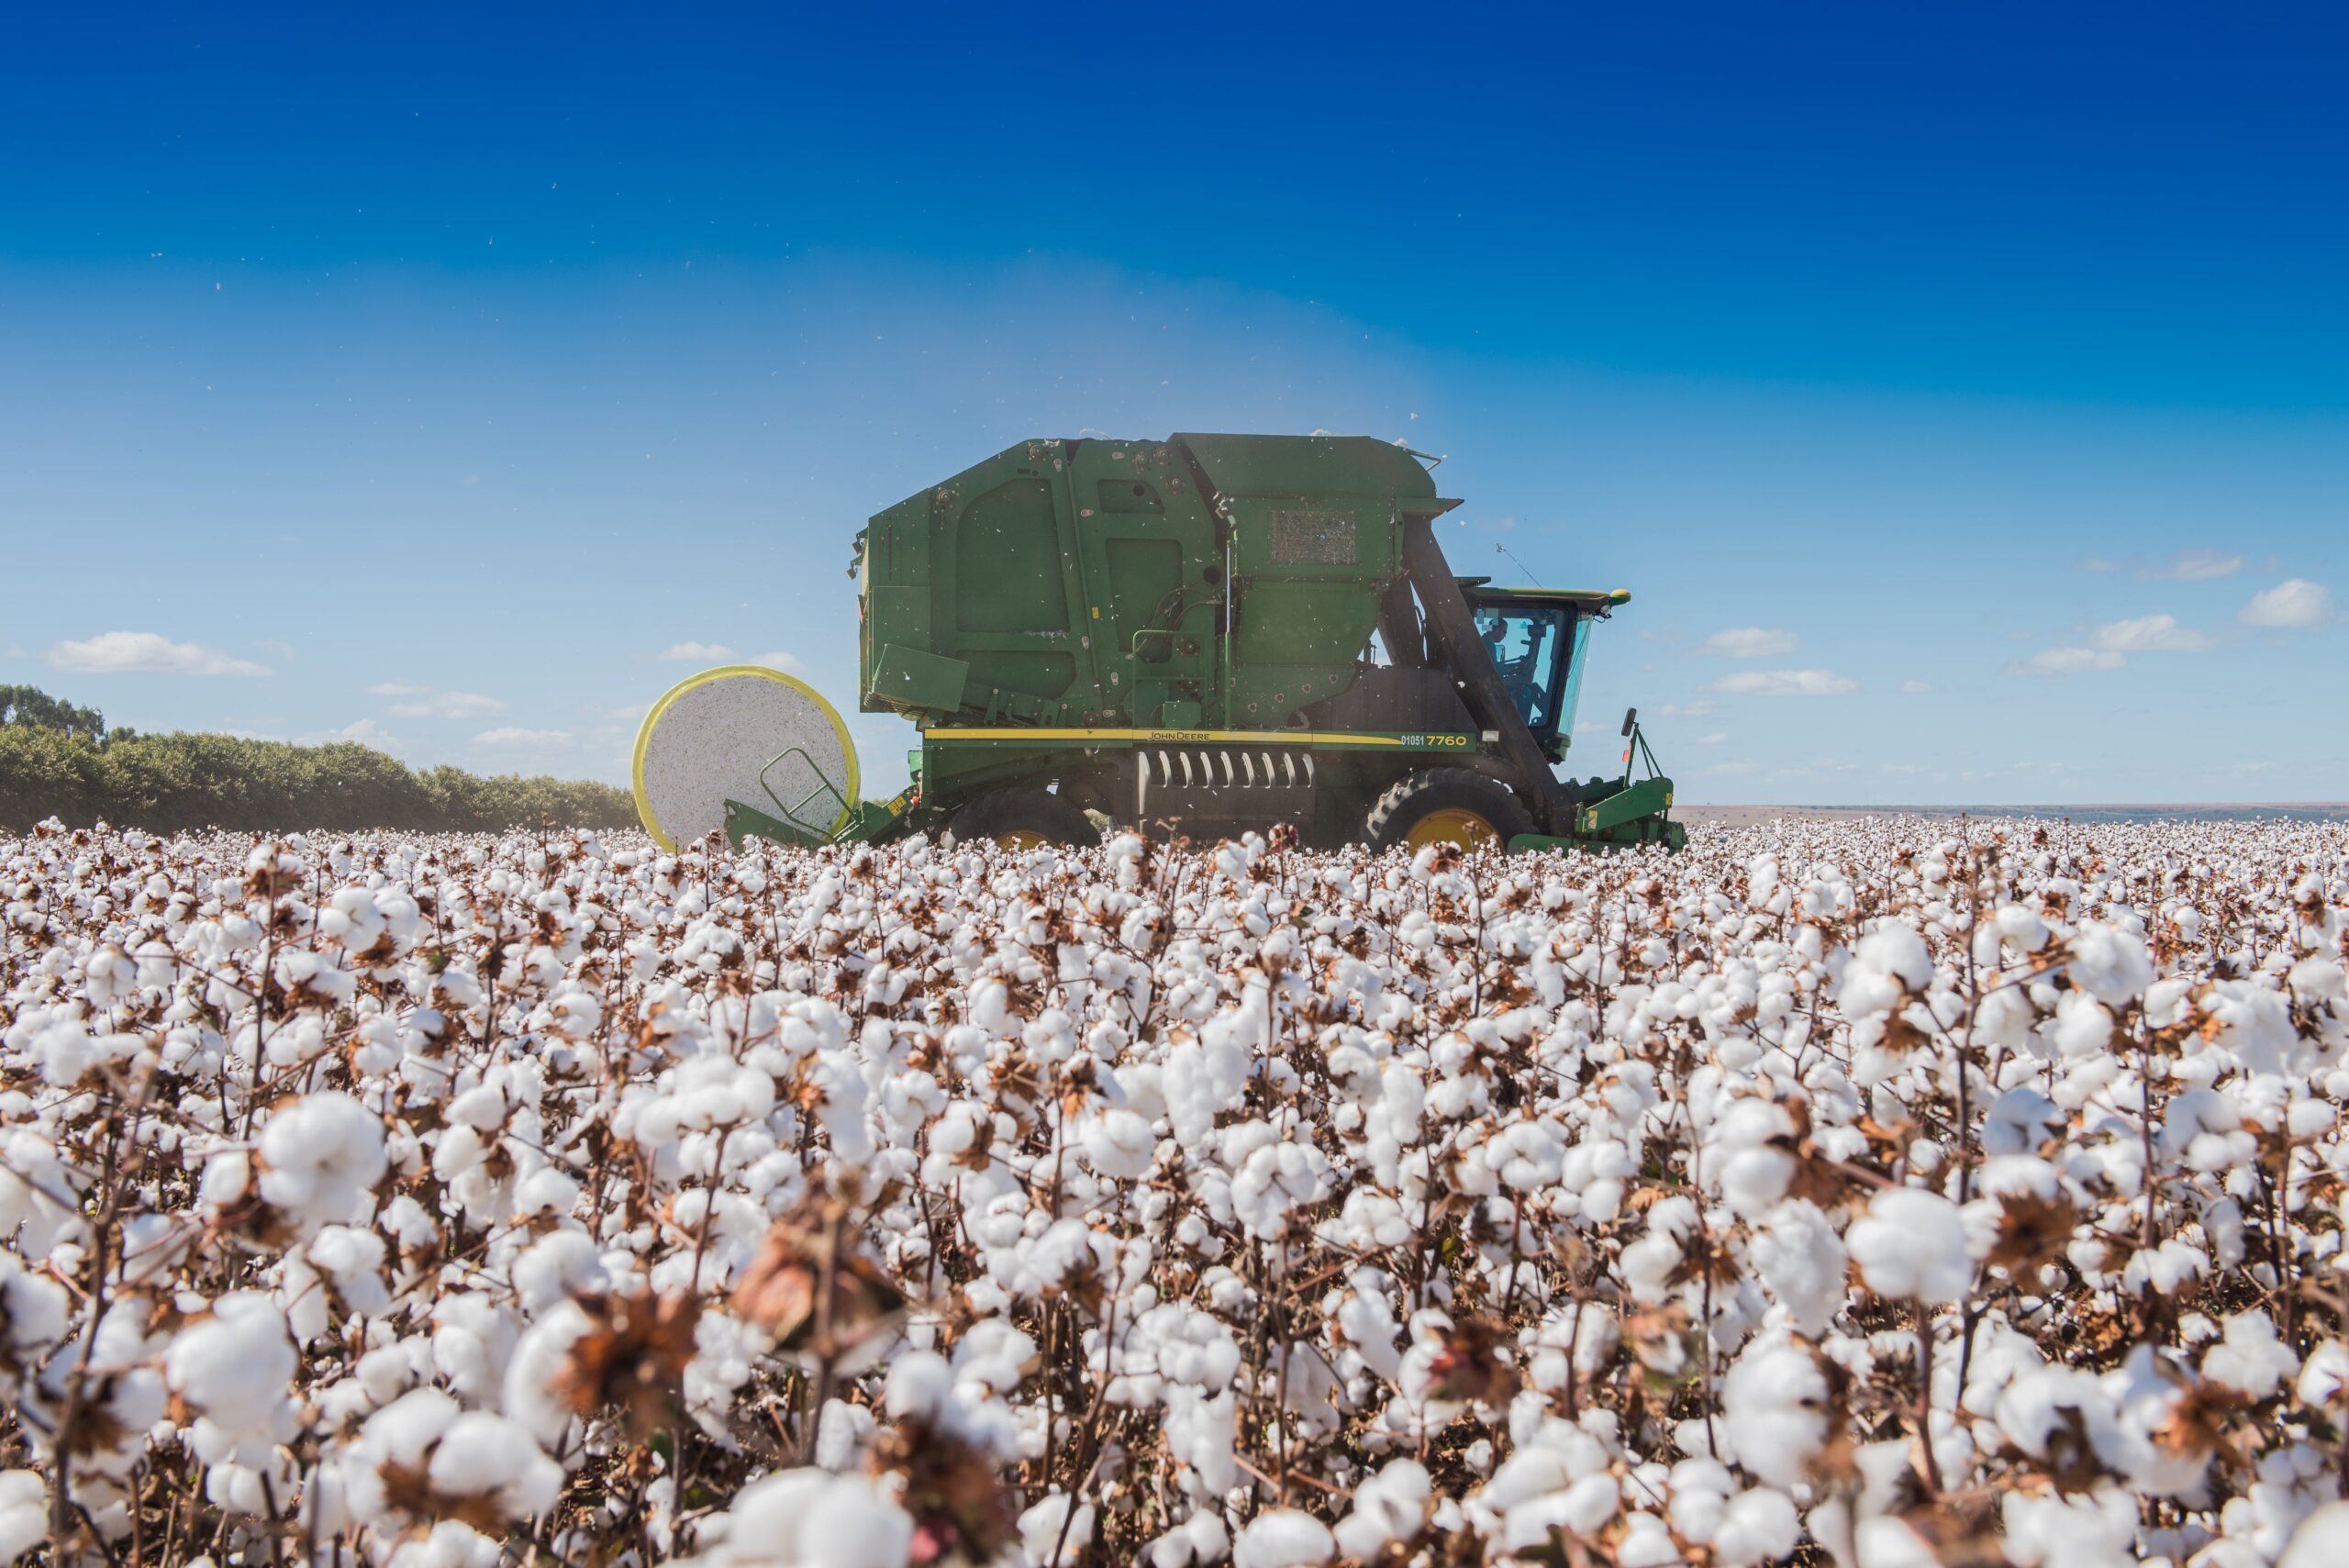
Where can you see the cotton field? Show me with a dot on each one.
(1885, 1192)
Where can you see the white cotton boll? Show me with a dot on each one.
(23, 1512)
(2022, 928)
(547, 1190)
(2317, 1543)
(1647, 1542)
(2111, 963)
(1367, 1321)
(842, 1434)
(841, 1108)
(33, 1309)
(1648, 1265)
(1392, 1505)
(485, 1455)
(2310, 1118)
(1581, 1510)
(1048, 1523)
(1200, 1539)
(1118, 1144)
(1801, 1264)
(2097, 1530)
(1275, 1179)
(228, 1176)
(2083, 1028)
(482, 1109)
(2250, 1358)
(1700, 1490)
(2324, 1378)
(1284, 1537)
(993, 1354)
(320, 1156)
(1890, 963)
(1886, 1542)
(1912, 1243)
(402, 1432)
(1754, 1179)
(1204, 1435)
(810, 1519)
(353, 1260)
(1758, 1526)
(2319, 980)
(920, 1385)
(1774, 1411)
(234, 1366)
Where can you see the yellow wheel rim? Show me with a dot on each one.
(1021, 838)
(1452, 826)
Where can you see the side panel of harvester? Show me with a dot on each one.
(1058, 584)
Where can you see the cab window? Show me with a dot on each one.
(1526, 643)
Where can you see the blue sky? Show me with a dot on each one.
(1961, 391)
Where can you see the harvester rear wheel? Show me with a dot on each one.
(1438, 805)
(1022, 818)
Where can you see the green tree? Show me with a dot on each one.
(32, 708)
(182, 782)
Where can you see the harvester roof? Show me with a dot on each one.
(1314, 465)
(1589, 598)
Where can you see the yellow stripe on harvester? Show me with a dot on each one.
(1172, 736)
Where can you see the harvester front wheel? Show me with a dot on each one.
(1446, 805)
(1022, 819)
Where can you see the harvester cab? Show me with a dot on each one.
(1536, 638)
(1195, 637)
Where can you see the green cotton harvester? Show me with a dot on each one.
(1194, 637)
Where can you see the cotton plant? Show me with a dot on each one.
(1897, 1190)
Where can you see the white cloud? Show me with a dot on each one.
(2199, 566)
(366, 731)
(1751, 642)
(395, 689)
(2071, 661)
(451, 704)
(1915, 688)
(1701, 709)
(1785, 684)
(1715, 738)
(2149, 634)
(2184, 566)
(788, 663)
(1731, 768)
(703, 652)
(511, 737)
(119, 653)
(2295, 601)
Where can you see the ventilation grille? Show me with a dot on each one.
(1313, 538)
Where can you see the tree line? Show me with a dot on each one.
(59, 760)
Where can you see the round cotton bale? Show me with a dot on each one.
(706, 739)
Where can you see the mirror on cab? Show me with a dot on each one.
(1630, 717)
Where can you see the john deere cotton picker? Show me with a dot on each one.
(1199, 636)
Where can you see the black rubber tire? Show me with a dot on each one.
(1412, 799)
(1025, 808)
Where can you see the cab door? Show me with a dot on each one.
(1152, 581)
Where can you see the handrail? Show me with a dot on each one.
(823, 787)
